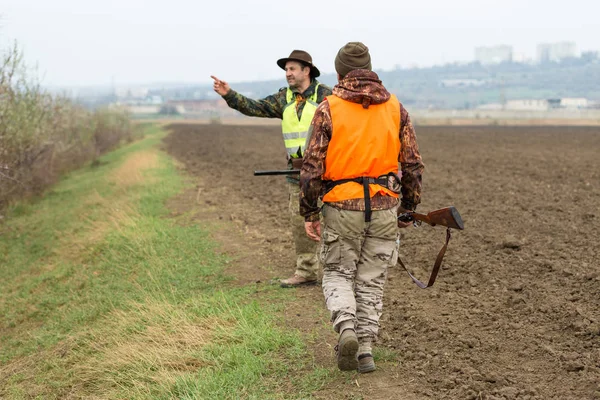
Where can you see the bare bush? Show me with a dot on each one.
(43, 136)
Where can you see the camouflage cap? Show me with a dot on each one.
(303, 57)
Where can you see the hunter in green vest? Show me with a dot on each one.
(295, 105)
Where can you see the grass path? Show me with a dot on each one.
(103, 296)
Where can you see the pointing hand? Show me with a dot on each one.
(219, 86)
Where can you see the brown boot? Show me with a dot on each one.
(296, 281)
(346, 351)
(366, 363)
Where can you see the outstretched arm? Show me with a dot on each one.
(269, 107)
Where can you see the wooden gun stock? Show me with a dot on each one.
(448, 217)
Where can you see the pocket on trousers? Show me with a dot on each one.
(331, 250)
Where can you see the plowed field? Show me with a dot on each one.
(515, 313)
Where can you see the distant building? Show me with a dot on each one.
(204, 108)
(520, 105)
(139, 109)
(154, 99)
(574, 102)
(527, 105)
(571, 103)
(555, 52)
(494, 54)
(520, 58)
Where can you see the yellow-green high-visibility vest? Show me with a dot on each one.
(295, 131)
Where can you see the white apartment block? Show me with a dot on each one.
(555, 51)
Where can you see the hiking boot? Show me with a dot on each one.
(346, 351)
(366, 363)
(296, 281)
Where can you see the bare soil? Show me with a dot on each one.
(515, 313)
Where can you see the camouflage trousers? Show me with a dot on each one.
(356, 255)
(307, 263)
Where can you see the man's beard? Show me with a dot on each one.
(293, 84)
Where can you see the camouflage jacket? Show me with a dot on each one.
(272, 106)
(363, 87)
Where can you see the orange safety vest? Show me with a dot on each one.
(364, 143)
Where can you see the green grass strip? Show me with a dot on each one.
(103, 296)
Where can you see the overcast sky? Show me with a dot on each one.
(82, 42)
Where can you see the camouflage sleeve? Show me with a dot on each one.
(322, 92)
(313, 165)
(410, 162)
(269, 107)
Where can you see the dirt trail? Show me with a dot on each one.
(515, 313)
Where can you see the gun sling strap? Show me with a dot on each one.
(436, 266)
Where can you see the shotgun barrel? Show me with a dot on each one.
(278, 172)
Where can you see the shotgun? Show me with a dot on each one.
(278, 172)
(448, 217)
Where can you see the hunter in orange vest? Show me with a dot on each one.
(355, 152)
(362, 159)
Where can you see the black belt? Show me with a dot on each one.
(365, 181)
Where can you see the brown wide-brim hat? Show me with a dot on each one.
(303, 57)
